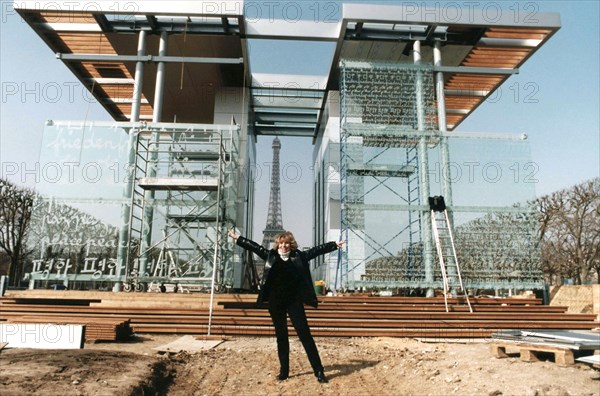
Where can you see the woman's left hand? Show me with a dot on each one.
(340, 244)
(232, 235)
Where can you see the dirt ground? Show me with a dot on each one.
(247, 366)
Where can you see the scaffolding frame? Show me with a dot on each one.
(194, 170)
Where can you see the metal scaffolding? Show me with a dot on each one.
(191, 169)
(388, 132)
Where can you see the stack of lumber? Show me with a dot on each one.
(96, 329)
(58, 312)
(344, 316)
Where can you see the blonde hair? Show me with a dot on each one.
(285, 237)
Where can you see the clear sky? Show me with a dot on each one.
(554, 100)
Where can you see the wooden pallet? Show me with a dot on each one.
(563, 356)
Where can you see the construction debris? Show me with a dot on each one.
(579, 340)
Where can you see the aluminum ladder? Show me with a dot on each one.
(446, 251)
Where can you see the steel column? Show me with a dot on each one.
(446, 185)
(441, 110)
(152, 169)
(160, 79)
(124, 237)
(423, 172)
(139, 79)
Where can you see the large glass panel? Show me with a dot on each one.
(167, 196)
(388, 136)
(77, 212)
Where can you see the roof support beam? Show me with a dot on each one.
(144, 58)
(466, 92)
(475, 70)
(429, 32)
(153, 22)
(103, 22)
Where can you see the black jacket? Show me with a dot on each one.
(299, 259)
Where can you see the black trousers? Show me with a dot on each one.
(278, 312)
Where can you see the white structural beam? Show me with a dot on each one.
(233, 8)
(144, 58)
(105, 80)
(70, 27)
(466, 92)
(475, 14)
(505, 42)
(281, 29)
(289, 81)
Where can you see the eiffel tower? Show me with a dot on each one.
(274, 225)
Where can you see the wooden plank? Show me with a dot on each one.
(239, 315)
(498, 350)
(167, 315)
(319, 332)
(359, 299)
(246, 308)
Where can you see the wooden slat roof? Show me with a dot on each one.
(190, 88)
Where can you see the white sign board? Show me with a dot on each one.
(41, 335)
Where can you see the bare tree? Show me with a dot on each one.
(570, 232)
(507, 246)
(15, 213)
(500, 247)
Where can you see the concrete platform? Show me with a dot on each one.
(188, 344)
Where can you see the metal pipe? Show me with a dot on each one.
(217, 256)
(160, 79)
(153, 149)
(441, 109)
(124, 237)
(423, 171)
(139, 79)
